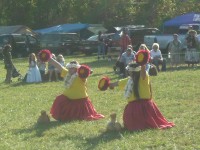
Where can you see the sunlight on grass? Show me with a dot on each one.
(176, 93)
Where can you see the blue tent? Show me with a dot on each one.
(188, 18)
(63, 28)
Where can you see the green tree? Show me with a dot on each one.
(45, 13)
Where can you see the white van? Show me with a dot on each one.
(183, 29)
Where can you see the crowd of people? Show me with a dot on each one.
(141, 111)
(175, 50)
(37, 71)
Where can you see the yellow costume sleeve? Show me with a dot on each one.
(122, 83)
(64, 72)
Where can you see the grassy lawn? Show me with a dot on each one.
(176, 92)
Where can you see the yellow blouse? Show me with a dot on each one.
(78, 88)
(144, 88)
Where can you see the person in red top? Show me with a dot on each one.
(124, 41)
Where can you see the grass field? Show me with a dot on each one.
(176, 93)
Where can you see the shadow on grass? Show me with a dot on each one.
(107, 137)
(38, 129)
(91, 142)
(21, 83)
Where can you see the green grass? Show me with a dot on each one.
(175, 92)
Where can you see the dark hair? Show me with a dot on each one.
(125, 30)
(129, 49)
(136, 76)
(133, 65)
(6, 48)
(73, 62)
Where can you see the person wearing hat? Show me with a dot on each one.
(141, 111)
(7, 56)
(127, 57)
(191, 54)
(74, 103)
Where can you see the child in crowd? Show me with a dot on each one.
(42, 67)
(74, 103)
(33, 74)
(61, 60)
(51, 70)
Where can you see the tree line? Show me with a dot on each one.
(38, 14)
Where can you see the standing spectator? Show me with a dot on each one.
(125, 40)
(42, 68)
(101, 45)
(108, 45)
(7, 56)
(141, 111)
(33, 74)
(191, 55)
(156, 57)
(175, 47)
(127, 57)
(27, 44)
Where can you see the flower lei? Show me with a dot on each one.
(69, 79)
(128, 88)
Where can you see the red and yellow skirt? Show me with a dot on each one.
(65, 109)
(144, 114)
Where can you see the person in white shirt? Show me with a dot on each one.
(156, 57)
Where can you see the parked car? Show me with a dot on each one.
(164, 39)
(137, 35)
(66, 43)
(22, 44)
(111, 39)
(183, 29)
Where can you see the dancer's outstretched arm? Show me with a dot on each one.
(56, 64)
